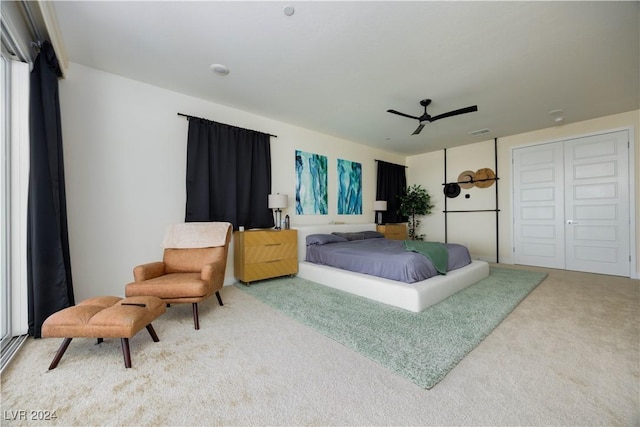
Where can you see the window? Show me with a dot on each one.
(14, 174)
(5, 309)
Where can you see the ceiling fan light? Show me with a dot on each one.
(426, 118)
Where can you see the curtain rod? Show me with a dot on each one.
(31, 21)
(238, 127)
(390, 163)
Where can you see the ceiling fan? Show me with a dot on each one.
(427, 118)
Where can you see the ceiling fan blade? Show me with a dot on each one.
(403, 114)
(417, 131)
(454, 113)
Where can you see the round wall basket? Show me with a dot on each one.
(452, 190)
(485, 178)
(466, 179)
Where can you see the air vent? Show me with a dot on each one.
(479, 132)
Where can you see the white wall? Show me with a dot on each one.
(125, 160)
(475, 230)
(125, 151)
(478, 229)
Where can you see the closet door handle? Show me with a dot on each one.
(570, 222)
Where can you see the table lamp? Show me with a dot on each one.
(277, 202)
(379, 206)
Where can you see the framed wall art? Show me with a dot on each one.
(349, 187)
(311, 184)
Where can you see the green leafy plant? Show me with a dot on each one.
(415, 201)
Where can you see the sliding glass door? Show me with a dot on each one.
(16, 55)
(14, 178)
(5, 293)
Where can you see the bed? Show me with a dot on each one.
(414, 296)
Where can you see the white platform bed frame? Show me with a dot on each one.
(409, 296)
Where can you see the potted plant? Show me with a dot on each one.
(415, 201)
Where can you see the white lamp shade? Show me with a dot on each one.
(380, 205)
(278, 201)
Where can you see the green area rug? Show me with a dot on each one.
(423, 347)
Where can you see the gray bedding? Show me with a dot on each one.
(384, 258)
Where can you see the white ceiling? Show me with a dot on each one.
(336, 67)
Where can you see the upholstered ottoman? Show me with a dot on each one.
(104, 317)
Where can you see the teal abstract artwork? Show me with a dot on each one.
(349, 187)
(311, 184)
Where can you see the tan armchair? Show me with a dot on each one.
(192, 269)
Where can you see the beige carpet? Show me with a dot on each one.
(569, 354)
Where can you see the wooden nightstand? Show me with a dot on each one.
(263, 254)
(393, 231)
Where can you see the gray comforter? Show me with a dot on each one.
(384, 258)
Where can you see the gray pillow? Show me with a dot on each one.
(350, 236)
(369, 234)
(323, 239)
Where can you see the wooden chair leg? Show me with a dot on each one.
(125, 352)
(60, 353)
(219, 298)
(196, 321)
(152, 332)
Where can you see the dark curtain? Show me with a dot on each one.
(50, 287)
(391, 182)
(228, 175)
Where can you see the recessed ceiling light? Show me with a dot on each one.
(556, 112)
(289, 10)
(220, 69)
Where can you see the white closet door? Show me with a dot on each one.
(539, 205)
(571, 204)
(597, 204)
